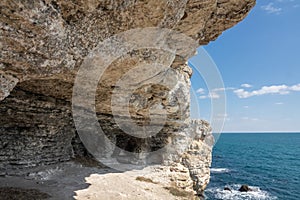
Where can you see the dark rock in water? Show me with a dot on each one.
(227, 188)
(245, 188)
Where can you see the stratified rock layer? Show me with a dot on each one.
(43, 44)
(45, 38)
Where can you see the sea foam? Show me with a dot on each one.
(219, 170)
(234, 194)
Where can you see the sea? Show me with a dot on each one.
(268, 162)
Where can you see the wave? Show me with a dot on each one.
(219, 170)
(234, 194)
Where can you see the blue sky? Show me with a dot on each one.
(259, 61)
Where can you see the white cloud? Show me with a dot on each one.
(271, 9)
(246, 107)
(295, 87)
(246, 85)
(200, 91)
(274, 89)
(292, 3)
(211, 95)
(279, 103)
(223, 89)
(214, 93)
(218, 89)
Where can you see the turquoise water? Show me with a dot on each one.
(268, 162)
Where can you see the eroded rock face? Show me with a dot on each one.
(198, 156)
(43, 44)
(44, 38)
(35, 129)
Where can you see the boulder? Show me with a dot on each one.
(245, 188)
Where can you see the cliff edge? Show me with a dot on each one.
(44, 45)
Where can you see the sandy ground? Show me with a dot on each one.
(74, 181)
(121, 186)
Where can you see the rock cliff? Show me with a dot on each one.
(45, 43)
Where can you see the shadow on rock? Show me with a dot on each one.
(60, 181)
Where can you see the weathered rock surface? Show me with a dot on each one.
(43, 44)
(199, 155)
(45, 38)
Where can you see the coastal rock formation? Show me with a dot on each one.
(245, 188)
(43, 44)
(199, 155)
